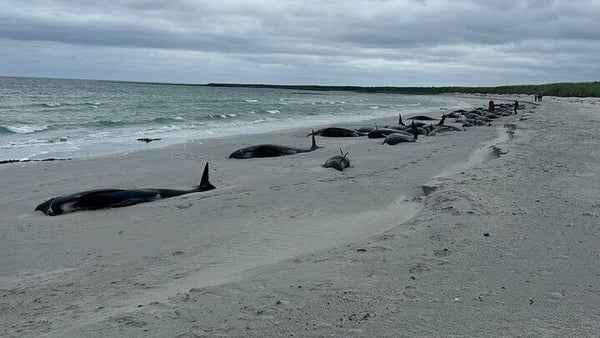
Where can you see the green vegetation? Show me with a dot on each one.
(579, 89)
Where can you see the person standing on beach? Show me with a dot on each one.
(491, 106)
(516, 106)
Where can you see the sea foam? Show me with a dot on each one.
(24, 129)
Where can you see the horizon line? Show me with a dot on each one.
(242, 84)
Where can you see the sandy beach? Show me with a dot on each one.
(505, 242)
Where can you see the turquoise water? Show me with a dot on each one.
(42, 118)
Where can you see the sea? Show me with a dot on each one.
(66, 118)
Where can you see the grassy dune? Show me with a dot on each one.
(566, 89)
(580, 89)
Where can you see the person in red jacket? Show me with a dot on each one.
(491, 106)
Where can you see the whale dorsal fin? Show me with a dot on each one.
(442, 120)
(314, 145)
(400, 122)
(414, 130)
(204, 183)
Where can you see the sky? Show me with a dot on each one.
(328, 42)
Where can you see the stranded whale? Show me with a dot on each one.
(271, 150)
(338, 132)
(115, 198)
(396, 138)
(339, 162)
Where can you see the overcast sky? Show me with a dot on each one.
(327, 42)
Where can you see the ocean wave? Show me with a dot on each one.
(23, 129)
(164, 128)
(273, 111)
(217, 116)
(251, 101)
(59, 104)
(406, 105)
(35, 142)
(109, 123)
(170, 128)
(168, 119)
(222, 116)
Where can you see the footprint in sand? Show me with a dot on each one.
(411, 293)
(558, 296)
(441, 253)
(418, 268)
(130, 321)
(386, 236)
(184, 206)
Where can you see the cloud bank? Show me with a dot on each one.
(350, 42)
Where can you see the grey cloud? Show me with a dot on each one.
(223, 25)
(332, 37)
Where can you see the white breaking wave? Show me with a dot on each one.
(26, 129)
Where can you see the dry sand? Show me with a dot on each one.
(506, 243)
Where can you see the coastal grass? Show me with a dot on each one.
(564, 89)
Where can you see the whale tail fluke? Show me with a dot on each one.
(342, 154)
(204, 183)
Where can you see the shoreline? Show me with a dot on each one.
(283, 246)
(120, 145)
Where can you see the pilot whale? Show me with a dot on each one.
(338, 132)
(115, 198)
(396, 138)
(339, 162)
(271, 150)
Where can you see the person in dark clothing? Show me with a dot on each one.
(516, 106)
(491, 106)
